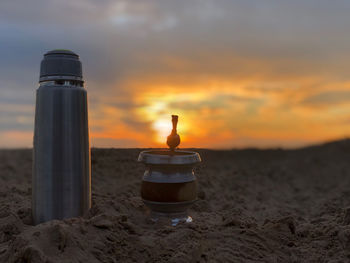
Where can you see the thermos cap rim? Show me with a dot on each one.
(61, 52)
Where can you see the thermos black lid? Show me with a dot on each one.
(60, 64)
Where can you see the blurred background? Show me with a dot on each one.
(238, 73)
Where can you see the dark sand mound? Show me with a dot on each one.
(255, 206)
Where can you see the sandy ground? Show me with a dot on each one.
(254, 206)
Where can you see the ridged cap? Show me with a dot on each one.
(60, 64)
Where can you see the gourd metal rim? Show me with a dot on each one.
(179, 158)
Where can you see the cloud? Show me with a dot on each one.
(328, 98)
(241, 67)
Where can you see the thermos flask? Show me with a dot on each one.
(61, 182)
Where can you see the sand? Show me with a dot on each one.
(254, 206)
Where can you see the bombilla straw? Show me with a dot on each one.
(174, 119)
(173, 139)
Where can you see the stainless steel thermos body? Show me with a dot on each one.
(61, 183)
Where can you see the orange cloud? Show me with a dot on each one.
(226, 113)
(16, 139)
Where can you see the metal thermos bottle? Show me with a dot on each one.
(61, 182)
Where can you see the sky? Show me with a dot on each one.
(238, 73)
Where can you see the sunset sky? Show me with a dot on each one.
(238, 73)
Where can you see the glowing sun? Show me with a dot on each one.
(163, 129)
